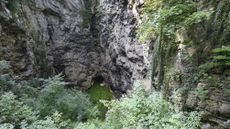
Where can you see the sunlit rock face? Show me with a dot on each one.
(45, 37)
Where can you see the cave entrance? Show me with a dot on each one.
(98, 80)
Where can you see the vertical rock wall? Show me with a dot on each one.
(43, 37)
(124, 59)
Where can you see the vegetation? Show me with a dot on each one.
(72, 104)
(15, 114)
(168, 17)
(171, 24)
(220, 60)
(97, 93)
(140, 110)
(46, 104)
(15, 5)
(12, 5)
(36, 104)
(183, 39)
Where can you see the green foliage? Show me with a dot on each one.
(97, 93)
(34, 104)
(145, 31)
(93, 124)
(98, 12)
(50, 122)
(14, 111)
(6, 126)
(38, 103)
(224, 50)
(196, 17)
(54, 97)
(139, 110)
(166, 18)
(220, 60)
(151, 6)
(15, 5)
(16, 114)
(12, 5)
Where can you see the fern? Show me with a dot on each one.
(220, 60)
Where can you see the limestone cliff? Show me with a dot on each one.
(83, 39)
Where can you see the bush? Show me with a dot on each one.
(15, 114)
(139, 110)
(50, 122)
(72, 103)
(43, 106)
(44, 95)
(13, 111)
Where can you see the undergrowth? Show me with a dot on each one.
(47, 104)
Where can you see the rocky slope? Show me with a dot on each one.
(41, 38)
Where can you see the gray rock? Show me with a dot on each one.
(59, 43)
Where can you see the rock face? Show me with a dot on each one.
(123, 57)
(181, 78)
(43, 37)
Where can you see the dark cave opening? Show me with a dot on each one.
(98, 79)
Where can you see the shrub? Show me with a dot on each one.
(139, 110)
(45, 95)
(72, 103)
(15, 114)
(13, 111)
(50, 122)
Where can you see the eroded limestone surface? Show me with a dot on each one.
(49, 36)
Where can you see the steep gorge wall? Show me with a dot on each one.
(42, 38)
(177, 72)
